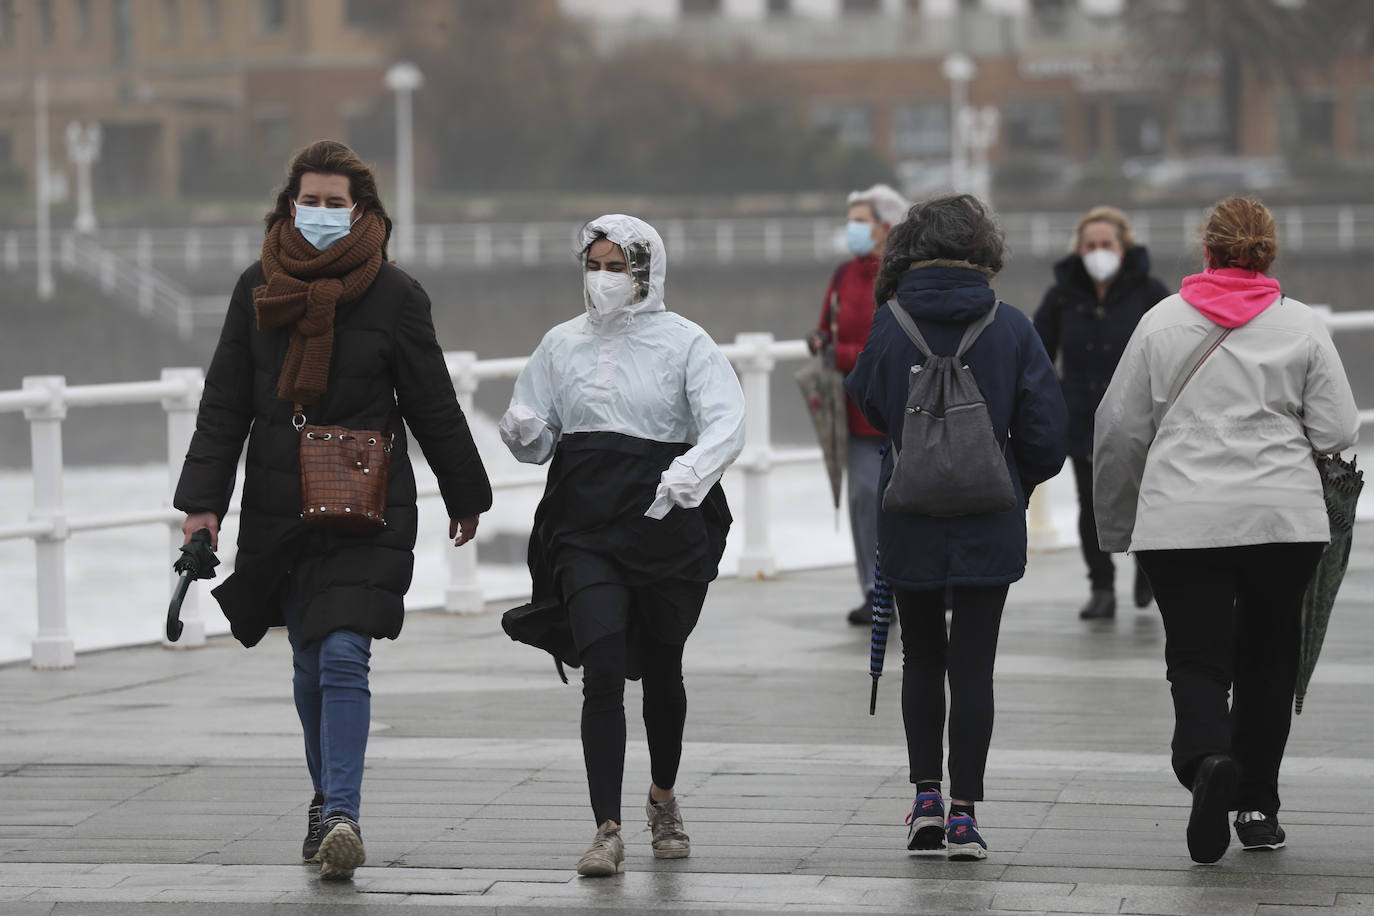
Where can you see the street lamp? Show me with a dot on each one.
(403, 79)
(83, 148)
(43, 181)
(958, 68)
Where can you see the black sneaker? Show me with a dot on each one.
(1101, 605)
(1256, 831)
(341, 850)
(314, 830)
(862, 616)
(1213, 786)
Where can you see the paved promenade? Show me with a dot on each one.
(149, 781)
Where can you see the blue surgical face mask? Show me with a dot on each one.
(323, 226)
(858, 235)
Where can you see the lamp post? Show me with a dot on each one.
(42, 180)
(958, 68)
(83, 148)
(403, 79)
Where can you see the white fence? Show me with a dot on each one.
(45, 401)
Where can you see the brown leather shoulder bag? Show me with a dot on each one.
(343, 476)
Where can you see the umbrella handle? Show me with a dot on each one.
(174, 624)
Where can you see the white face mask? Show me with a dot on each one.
(607, 291)
(323, 226)
(1102, 264)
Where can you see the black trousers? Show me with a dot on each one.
(604, 668)
(965, 655)
(1231, 625)
(1101, 571)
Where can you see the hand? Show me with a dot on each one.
(816, 341)
(462, 530)
(198, 520)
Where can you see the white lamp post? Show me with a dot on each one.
(403, 79)
(958, 68)
(83, 148)
(42, 180)
(979, 129)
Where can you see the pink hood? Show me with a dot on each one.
(1230, 296)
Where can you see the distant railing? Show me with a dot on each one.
(45, 401)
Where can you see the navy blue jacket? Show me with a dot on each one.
(1089, 335)
(1024, 401)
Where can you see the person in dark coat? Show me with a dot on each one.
(1101, 290)
(323, 321)
(938, 265)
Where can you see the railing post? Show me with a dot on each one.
(144, 258)
(529, 244)
(52, 646)
(772, 242)
(181, 423)
(11, 252)
(482, 246)
(725, 241)
(191, 251)
(241, 249)
(756, 560)
(1345, 228)
(1293, 230)
(464, 592)
(434, 246)
(1040, 234)
(1040, 534)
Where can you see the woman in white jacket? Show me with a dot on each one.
(1218, 494)
(641, 414)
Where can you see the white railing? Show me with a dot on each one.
(45, 401)
(777, 240)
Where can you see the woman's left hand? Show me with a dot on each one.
(462, 530)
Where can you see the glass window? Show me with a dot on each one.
(371, 14)
(171, 20)
(1306, 124)
(209, 18)
(6, 23)
(124, 32)
(850, 122)
(779, 7)
(84, 26)
(861, 6)
(920, 129)
(274, 137)
(46, 27)
(271, 16)
(1364, 122)
(1033, 124)
(6, 149)
(699, 7)
(1201, 123)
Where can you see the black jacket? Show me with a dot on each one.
(387, 367)
(1089, 335)
(1024, 402)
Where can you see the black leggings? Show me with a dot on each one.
(966, 656)
(604, 665)
(1232, 617)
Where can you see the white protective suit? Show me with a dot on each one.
(640, 371)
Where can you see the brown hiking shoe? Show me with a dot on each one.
(606, 855)
(665, 820)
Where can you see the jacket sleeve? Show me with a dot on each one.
(1123, 429)
(1039, 428)
(224, 417)
(427, 401)
(1331, 420)
(1047, 322)
(531, 426)
(863, 382)
(716, 402)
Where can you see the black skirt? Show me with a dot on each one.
(590, 529)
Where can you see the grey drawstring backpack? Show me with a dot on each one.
(949, 463)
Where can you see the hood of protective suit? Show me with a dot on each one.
(648, 261)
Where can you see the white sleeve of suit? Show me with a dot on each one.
(530, 426)
(1330, 418)
(1123, 429)
(717, 405)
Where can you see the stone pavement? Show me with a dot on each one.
(148, 781)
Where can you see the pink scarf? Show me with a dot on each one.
(1230, 296)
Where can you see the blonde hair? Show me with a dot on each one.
(1241, 232)
(1110, 215)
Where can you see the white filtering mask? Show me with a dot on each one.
(607, 291)
(1102, 264)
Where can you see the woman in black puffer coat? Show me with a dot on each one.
(324, 321)
(1100, 292)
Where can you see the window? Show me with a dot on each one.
(861, 6)
(699, 7)
(124, 33)
(850, 122)
(6, 23)
(6, 150)
(1033, 124)
(370, 131)
(920, 129)
(209, 18)
(46, 27)
(171, 20)
(273, 130)
(84, 24)
(371, 14)
(1306, 124)
(779, 7)
(1364, 123)
(1201, 124)
(271, 16)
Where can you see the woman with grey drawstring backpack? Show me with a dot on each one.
(937, 268)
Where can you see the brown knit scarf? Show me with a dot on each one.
(304, 285)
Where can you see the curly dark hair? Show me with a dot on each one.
(955, 227)
(330, 157)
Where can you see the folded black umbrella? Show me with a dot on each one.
(197, 561)
(544, 625)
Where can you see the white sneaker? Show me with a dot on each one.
(606, 855)
(665, 820)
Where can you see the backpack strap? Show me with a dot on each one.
(971, 333)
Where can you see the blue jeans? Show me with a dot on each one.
(335, 707)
